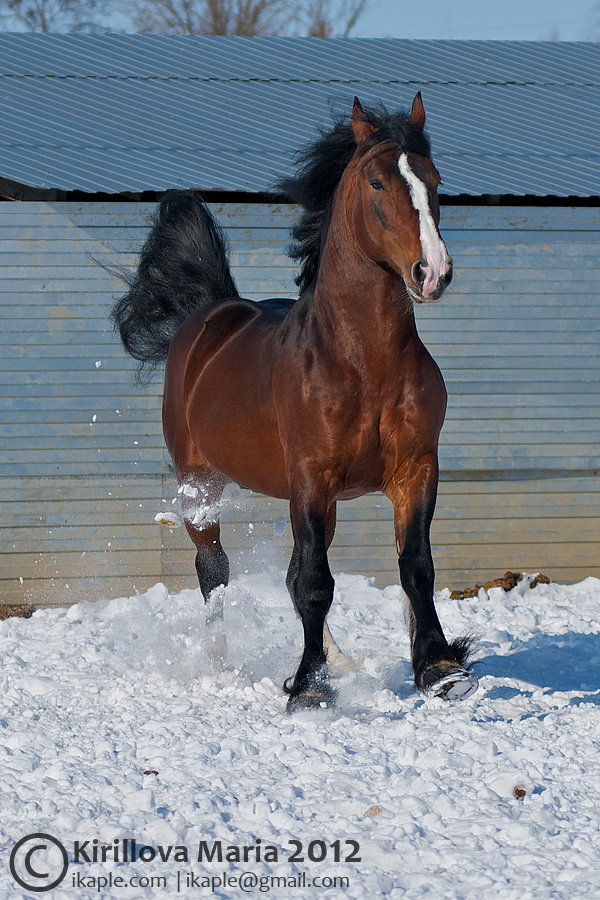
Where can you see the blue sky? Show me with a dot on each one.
(567, 20)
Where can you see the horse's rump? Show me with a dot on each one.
(220, 366)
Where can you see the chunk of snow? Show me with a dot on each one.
(169, 519)
(140, 800)
(36, 684)
(158, 593)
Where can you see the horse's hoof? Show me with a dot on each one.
(455, 685)
(322, 697)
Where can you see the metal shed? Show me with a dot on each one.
(95, 128)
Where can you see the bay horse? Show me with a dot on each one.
(323, 399)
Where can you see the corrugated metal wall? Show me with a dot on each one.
(82, 465)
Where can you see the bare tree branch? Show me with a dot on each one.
(318, 18)
(224, 17)
(331, 18)
(50, 15)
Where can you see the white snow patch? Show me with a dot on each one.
(496, 796)
(36, 685)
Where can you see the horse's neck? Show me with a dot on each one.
(355, 296)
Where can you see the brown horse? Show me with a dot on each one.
(319, 400)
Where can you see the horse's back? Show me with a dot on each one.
(276, 306)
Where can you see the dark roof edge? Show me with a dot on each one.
(12, 190)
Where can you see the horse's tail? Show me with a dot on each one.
(184, 265)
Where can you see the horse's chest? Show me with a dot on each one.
(410, 424)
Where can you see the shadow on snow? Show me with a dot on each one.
(565, 662)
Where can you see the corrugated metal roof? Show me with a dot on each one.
(116, 113)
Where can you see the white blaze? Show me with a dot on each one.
(433, 247)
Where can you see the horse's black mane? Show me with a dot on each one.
(319, 169)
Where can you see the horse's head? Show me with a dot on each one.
(397, 214)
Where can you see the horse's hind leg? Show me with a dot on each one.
(201, 492)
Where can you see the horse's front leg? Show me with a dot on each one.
(310, 584)
(439, 667)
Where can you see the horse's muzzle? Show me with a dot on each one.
(420, 275)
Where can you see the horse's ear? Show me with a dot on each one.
(417, 113)
(361, 126)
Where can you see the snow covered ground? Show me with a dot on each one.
(117, 722)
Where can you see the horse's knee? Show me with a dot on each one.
(311, 583)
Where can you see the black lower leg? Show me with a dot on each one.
(413, 493)
(212, 567)
(428, 643)
(432, 656)
(212, 564)
(310, 583)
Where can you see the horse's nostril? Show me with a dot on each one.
(418, 272)
(448, 275)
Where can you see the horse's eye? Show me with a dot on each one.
(377, 185)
